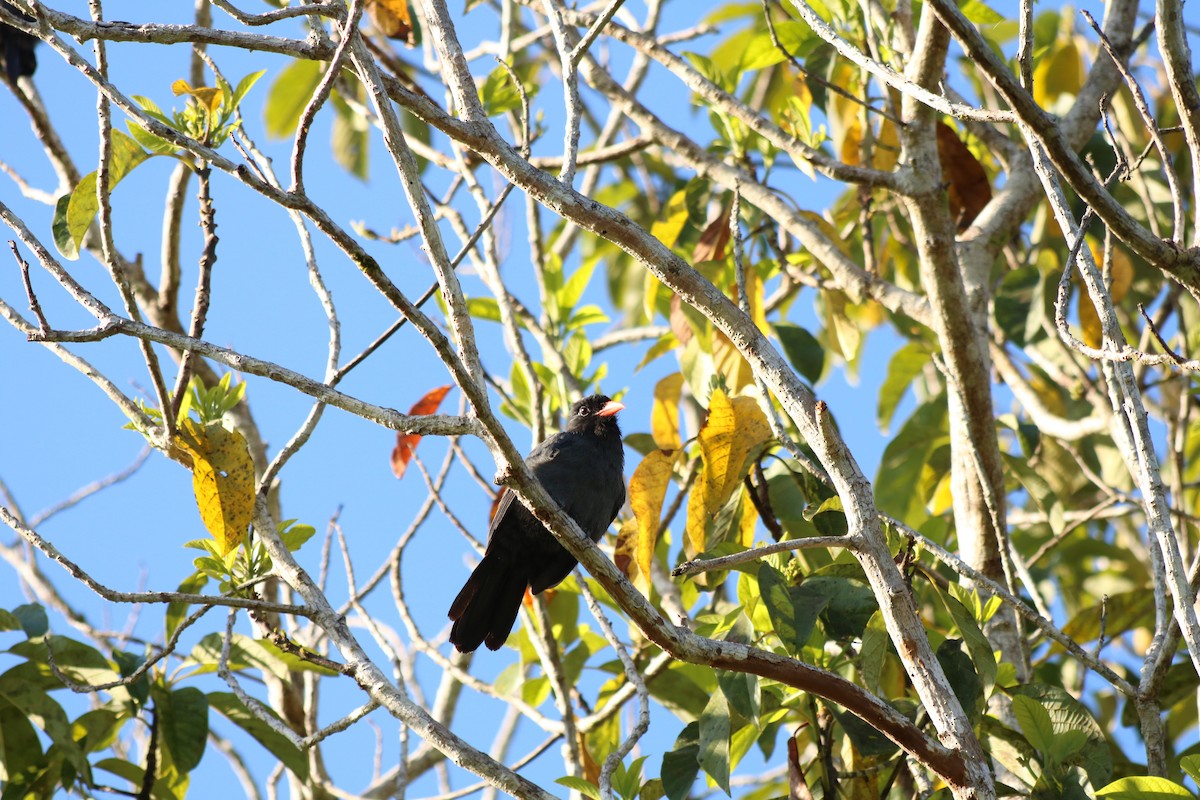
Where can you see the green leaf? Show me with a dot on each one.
(585, 788)
(289, 95)
(873, 651)
(244, 653)
(714, 740)
(680, 766)
(20, 748)
(277, 744)
(963, 678)
(586, 315)
(684, 689)
(904, 460)
(980, 13)
(572, 290)
(627, 779)
(742, 691)
(74, 212)
(1018, 304)
(795, 37)
(1035, 723)
(802, 349)
(350, 139)
(499, 94)
(145, 138)
(183, 723)
(1191, 765)
(850, 604)
(136, 776)
(775, 593)
(177, 611)
(40, 709)
(906, 364)
(977, 643)
(1067, 744)
(97, 729)
(244, 86)
(1068, 714)
(535, 690)
(80, 662)
(33, 620)
(1143, 787)
(1039, 490)
(866, 739)
(127, 664)
(9, 621)
(484, 308)
(294, 536)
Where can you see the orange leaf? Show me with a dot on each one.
(406, 443)
(392, 19)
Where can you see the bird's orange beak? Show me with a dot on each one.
(610, 409)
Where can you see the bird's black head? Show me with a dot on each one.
(597, 414)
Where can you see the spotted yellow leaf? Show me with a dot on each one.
(222, 479)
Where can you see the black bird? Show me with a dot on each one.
(17, 56)
(583, 469)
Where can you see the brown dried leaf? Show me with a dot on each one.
(679, 324)
(714, 239)
(969, 189)
(797, 786)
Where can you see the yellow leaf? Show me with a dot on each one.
(942, 498)
(647, 489)
(734, 432)
(698, 516)
(749, 521)
(845, 126)
(674, 217)
(1122, 274)
(208, 96)
(1122, 279)
(222, 479)
(729, 363)
(727, 359)
(886, 150)
(1059, 72)
(664, 419)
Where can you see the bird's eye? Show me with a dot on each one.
(583, 412)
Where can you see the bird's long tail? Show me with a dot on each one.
(487, 605)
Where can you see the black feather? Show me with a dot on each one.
(16, 47)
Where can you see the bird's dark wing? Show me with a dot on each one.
(502, 511)
(587, 480)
